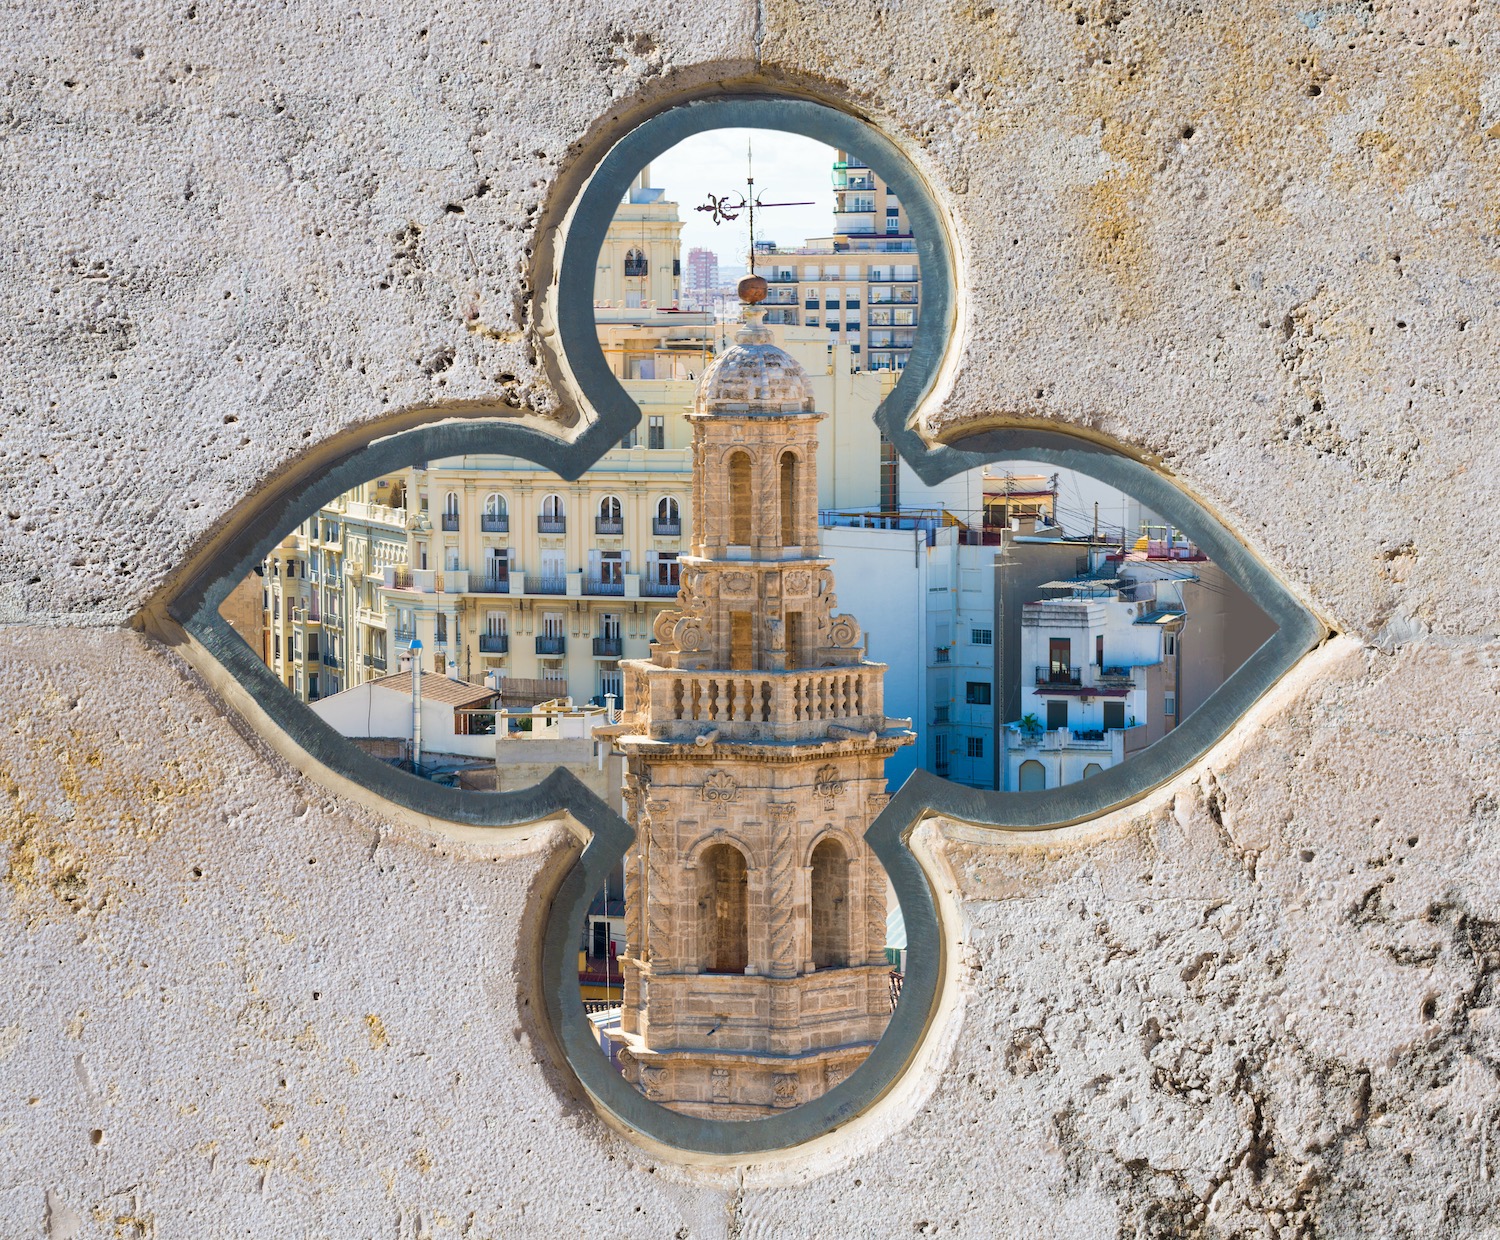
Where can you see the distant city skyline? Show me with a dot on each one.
(787, 167)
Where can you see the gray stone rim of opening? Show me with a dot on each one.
(194, 603)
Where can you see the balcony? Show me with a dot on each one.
(489, 585)
(546, 585)
(404, 636)
(608, 647)
(942, 655)
(666, 529)
(604, 585)
(376, 661)
(330, 660)
(551, 525)
(940, 715)
(548, 643)
(1060, 675)
(494, 525)
(494, 643)
(450, 522)
(651, 588)
(601, 526)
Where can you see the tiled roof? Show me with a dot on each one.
(435, 688)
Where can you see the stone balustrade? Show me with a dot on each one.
(795, 705)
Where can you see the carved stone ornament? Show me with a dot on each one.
(653, 1081)
(835, 1074)
(877, 801)
(828, 785)
(784, 1089)
(720, 790)
(844, 632)
(719, 1085)
(690, 635)
(798, 581)
(661, 627)
(736, 583)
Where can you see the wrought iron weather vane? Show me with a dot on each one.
(721, 209)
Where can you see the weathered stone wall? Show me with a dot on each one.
(1258, 242)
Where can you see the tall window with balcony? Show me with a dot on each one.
(450, 512)
(611, 516)
(552, 519)
(496, 518)
(668, 520)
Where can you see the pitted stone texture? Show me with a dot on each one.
(1267, 1010)
(232, 234)
(267, 1007)
(1293, 306)
(1257, 243)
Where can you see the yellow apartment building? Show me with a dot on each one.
(518, 578)
(640, 262)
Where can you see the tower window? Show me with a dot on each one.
(830, 906)
(789, 500)
(740, 498)
(723, 910)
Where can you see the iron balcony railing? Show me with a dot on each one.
(604, 585)
(658, 589)
(666, 529)
(608, 647)
(450, 522)
(551, 525)
(494, 525)
(547, 643)
(377, 661)
(603, 526)
(490, 585)
(546, 585)
(942, 655)
(494, 643)
(404, 635)
(1059, 674)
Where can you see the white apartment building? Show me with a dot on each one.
(862, 285)
(1098, 684)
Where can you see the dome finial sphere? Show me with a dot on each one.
(752, 289)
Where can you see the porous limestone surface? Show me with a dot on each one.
(1256, 242)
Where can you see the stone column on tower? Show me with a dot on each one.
(756, 740)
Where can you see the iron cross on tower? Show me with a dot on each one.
(721, 209)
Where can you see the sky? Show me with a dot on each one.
(787, 167)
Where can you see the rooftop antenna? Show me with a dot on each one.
(721, 208)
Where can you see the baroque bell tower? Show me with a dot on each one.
(756, 741)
